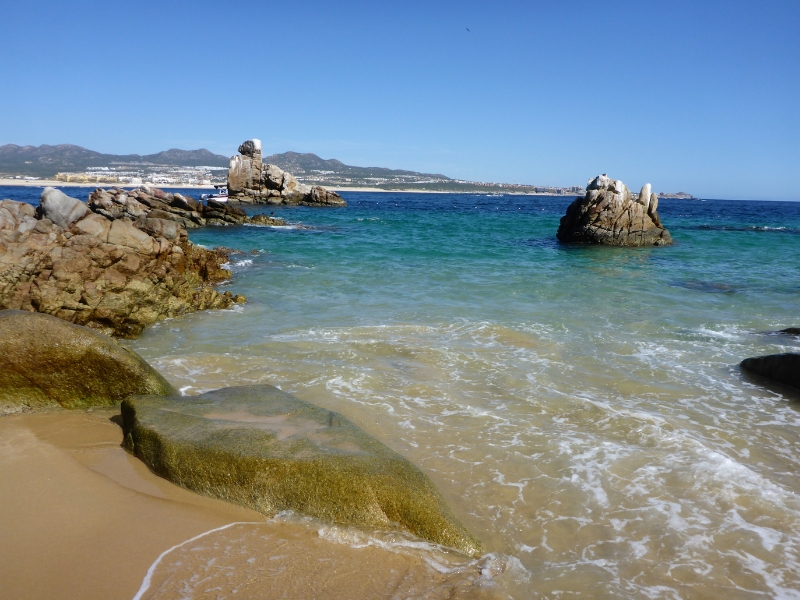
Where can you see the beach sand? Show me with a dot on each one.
(80, 517)
(83, 519)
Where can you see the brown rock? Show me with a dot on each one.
(609, 214)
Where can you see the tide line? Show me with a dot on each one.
(149, 575)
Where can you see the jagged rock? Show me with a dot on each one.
(113, 275)
(321, 197)
(251, 182)
(610, 215)
(47, 362)
(60, 208)
(782, 368)
(263, 448)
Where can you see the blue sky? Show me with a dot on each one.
(696, 96)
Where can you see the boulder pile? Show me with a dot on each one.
(147, 202)
(610, 214)
(106, 271)
(252, 182)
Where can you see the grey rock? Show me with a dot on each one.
(61, 209)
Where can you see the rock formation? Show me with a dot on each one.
(46, 362)
(610, 214)
(251, 182)
(152, 203)
(116, 275)
(782, 368)
(263, 448)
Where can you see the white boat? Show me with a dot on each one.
(221, 195)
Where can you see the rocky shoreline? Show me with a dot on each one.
(108, 264)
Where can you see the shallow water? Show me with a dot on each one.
(580, 408)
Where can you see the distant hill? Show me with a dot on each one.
(46, 161)
(314, 167)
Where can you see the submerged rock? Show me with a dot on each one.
(46, 362)
(263, 448)
(782, 368)
(610, 214)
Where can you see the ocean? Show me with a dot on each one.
(580, 408)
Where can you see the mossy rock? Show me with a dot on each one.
(46, 362)
(263, 448)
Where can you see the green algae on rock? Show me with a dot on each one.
(46, 362)
(265, 449)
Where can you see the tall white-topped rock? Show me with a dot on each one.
(252, 182)
(610, 214)
(644, 197)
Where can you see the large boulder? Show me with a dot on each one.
(61, 209)
(782, 368)
(263, 448)
(610, 214)
(46, 362)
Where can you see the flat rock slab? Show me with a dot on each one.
(46, 362)
(265, 449)
(783, 368)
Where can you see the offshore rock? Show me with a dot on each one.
(263, 448)
(782, 368)
(114, 275)
(251, 182)
(609, 214)
(46, 362)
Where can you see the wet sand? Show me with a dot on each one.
(80, 517)
(83, 519)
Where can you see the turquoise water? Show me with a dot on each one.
(580, 408)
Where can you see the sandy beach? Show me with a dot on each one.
(79, 509)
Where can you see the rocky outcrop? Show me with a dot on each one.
(251, 182)
(782, 368)
(152, 203)
(263, 448)
(610, 214)
(46, 362)
(116, 275)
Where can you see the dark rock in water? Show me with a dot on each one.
(46, 362)
(610, 214)
(782, 368)
(790, 331)
(263, 448)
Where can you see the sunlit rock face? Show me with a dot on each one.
(46, 362)
(251, 182)
(610, 214)
(265, 449)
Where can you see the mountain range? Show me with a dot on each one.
(45, 161)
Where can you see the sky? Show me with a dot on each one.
(699, 96)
